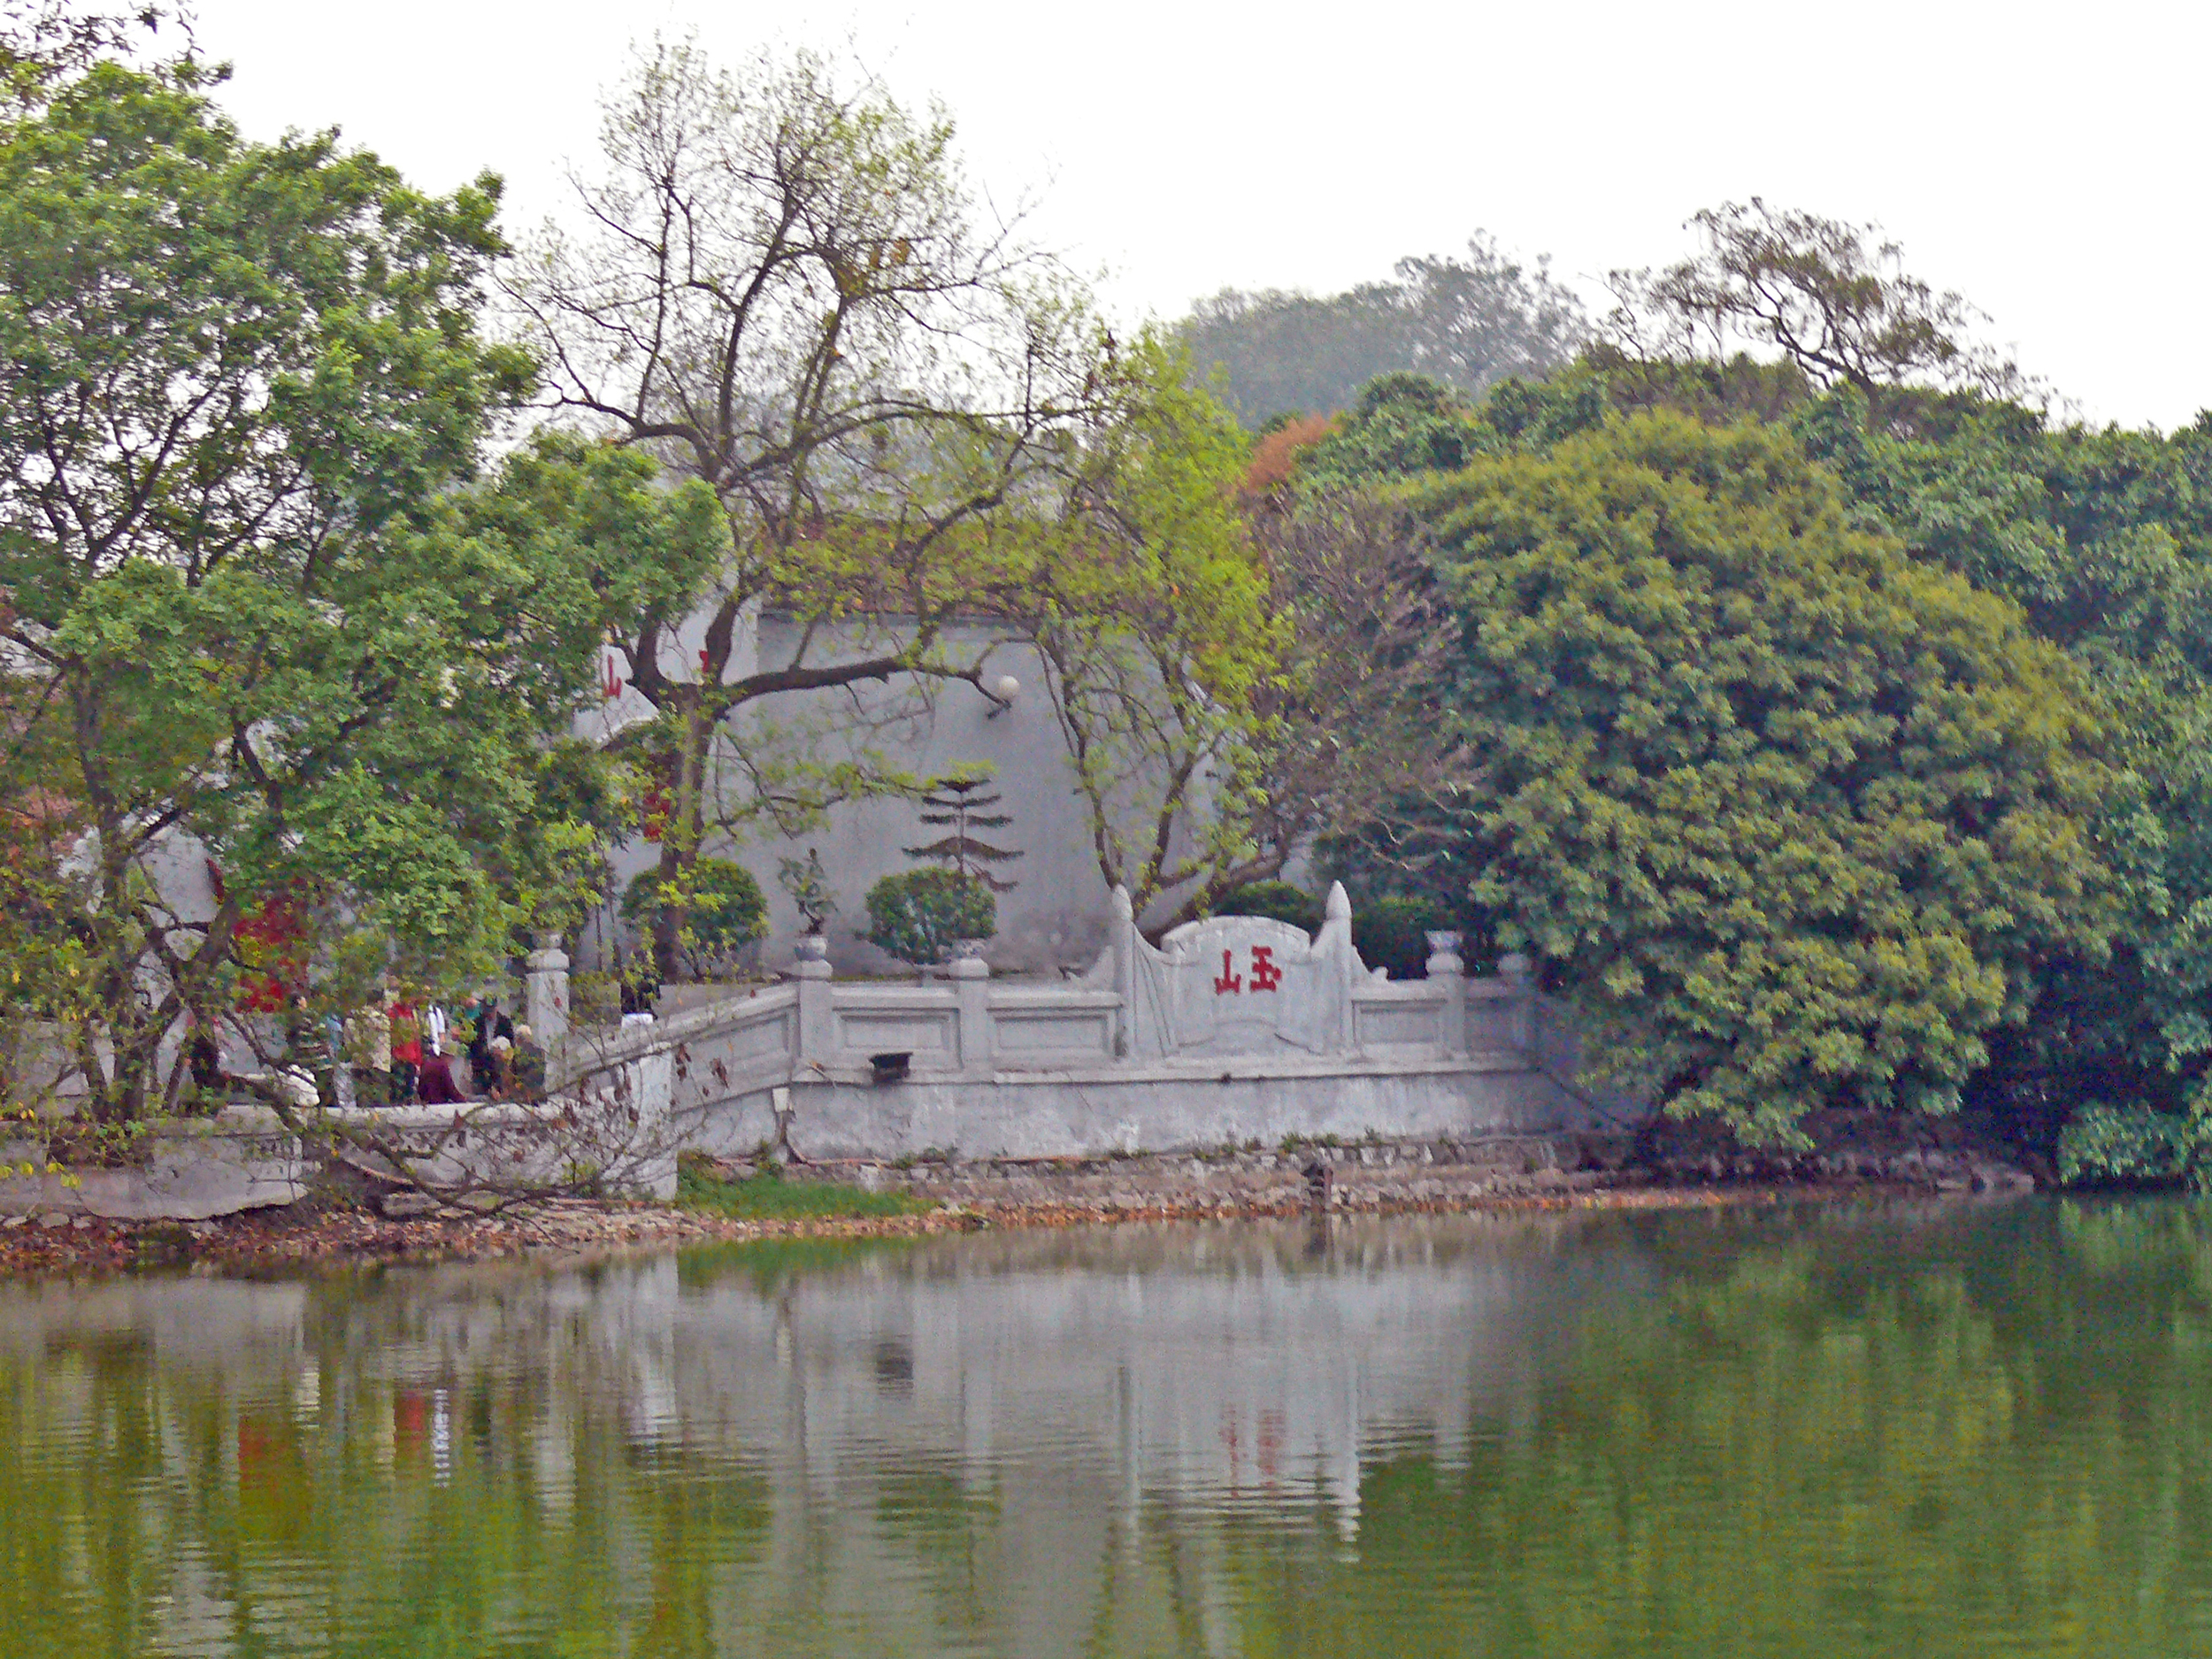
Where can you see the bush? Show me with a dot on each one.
(1277, 899)
(916, 916)
(1391, 934)
(2127, 1144)
(594, 999)
(724, 910)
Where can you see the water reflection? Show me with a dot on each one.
(1859, 1430)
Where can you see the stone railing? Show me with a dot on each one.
(1243, 991)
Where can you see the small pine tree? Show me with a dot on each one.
(954, 802)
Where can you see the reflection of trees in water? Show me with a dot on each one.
(1835, 1441)
(279, 1500)
(1833, 1433)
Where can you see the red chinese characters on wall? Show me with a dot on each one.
(1263, 975)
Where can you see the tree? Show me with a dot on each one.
(1822, 292)
(790, 293)
(723, 908)
(45, 43)
(1196, 785)
(1353, 724)
(1151, 618)
(1467, 323)
(1403, 425)
(1793, 816)
(954, 804)
(251, 609)
(2105, 538)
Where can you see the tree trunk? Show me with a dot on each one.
(680, 840)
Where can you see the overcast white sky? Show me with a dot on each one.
(2049, 162)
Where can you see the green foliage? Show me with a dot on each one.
(259, 605)
(1151, 612)
(1403, 425)
(1280, 899)
(1793, 816)
(1392, 933)
(917, 915)
(721, 906)
(2130, 1144)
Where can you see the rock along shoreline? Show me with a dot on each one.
(337, 1228)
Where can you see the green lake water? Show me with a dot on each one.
(1861, 1429)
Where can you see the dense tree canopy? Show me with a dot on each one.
(253, 609)
(1792, 813)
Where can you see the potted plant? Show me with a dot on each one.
(924, 916)
(807, 885)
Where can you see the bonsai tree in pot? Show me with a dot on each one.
(807, 885)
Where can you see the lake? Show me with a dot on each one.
(1866, 1428)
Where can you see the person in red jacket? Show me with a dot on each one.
(406, 1048)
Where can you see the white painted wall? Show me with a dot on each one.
(1058, 912)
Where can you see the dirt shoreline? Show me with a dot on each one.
(342, 1233)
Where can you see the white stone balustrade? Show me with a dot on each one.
(1232, 1028)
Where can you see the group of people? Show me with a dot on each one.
(403, 1051)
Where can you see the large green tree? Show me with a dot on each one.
(253, 609)
(1793, 815)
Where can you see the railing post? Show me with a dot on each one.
(1518, 973)
(816, 1019)
(1447, 969)
(545, 991)
(1336, 919)
(652, 1080)
(1125, 938)
(971, 977)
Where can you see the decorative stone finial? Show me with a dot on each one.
(1123, 908)
(1339, 908)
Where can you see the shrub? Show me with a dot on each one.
(594, 999)
(1277, 899)
(917, 915)
(1391, 934)
(2128, 1144)
(724, 909)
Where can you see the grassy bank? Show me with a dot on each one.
(771, 1194)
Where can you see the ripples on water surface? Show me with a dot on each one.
(1817, 1431)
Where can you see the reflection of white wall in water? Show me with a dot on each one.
(1073, 1390)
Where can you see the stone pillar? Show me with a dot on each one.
(652, 1079)
(971, 977)
(1519, 974)
(1336, 931)
(817, 1027)
(545, 991)
(1124, 945)
(1447, 969)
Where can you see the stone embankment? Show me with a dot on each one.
(1376, 1175)
(339, 1228)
